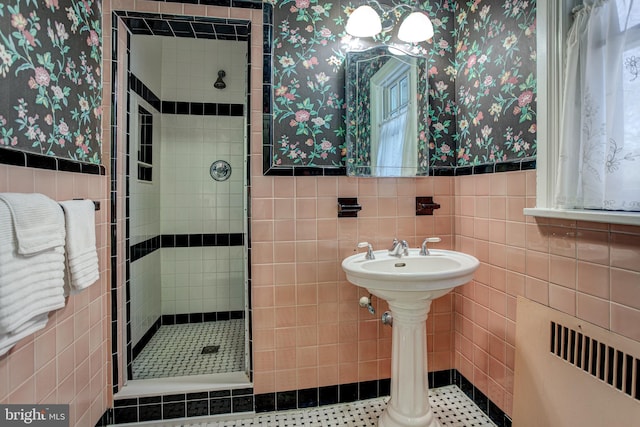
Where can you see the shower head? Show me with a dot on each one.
(219, 84)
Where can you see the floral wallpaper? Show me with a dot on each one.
(496, 82)
(310, 45)
(481, 75)
(308, 78)
(50, 77)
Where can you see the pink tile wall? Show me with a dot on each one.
(588, 270)
(67, 362)
(308, 328)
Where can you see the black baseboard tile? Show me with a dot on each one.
(106, 418)
(368, 390)
(265, 402)
(213, 316)
(286, 400)
(492, 410)
(328, 395)
(173, 406)
(242, 404)
(440, 378)
(348, 392)
(244, 400)
(137, 348)
(308, 398)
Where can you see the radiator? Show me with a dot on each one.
(572, 373)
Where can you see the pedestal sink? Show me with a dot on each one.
(409, 284)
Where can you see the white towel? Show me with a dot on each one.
(37, 222)
(82, 258)
(7, 341)
(30, 285)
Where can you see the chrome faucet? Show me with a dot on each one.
(399, 248)
(367, 245)
(423, 249)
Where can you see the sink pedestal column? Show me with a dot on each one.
(409, 404)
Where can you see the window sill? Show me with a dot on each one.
(626, 218)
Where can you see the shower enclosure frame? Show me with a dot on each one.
(120, 254)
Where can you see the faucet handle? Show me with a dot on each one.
(394, 243)
(369, 247)
(424, 250)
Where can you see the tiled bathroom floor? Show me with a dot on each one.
(176, 350)
(450, 405)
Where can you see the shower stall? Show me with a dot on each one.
(186, 210)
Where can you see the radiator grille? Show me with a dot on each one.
(600, 360)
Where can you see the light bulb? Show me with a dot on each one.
(416, 27)
(364, 22)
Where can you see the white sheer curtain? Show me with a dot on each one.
(391, 146)
(599, 157)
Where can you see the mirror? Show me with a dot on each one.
(387, 113)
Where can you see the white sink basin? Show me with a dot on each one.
(409, 284)
(430, 276)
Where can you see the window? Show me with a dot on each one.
(394, 122)
(553, 27)
(145, 144)
(396, 94)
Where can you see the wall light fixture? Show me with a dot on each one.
(371, 19)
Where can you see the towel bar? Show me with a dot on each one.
(95, 202)
(348, 207)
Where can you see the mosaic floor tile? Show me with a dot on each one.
(450, 405)
(176, 350)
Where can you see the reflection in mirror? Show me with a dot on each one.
(387, 112)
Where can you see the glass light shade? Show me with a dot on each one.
(416, 27)
(364, 22)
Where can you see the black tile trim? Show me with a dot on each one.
(243, 400)
(115, 359)
(146, 338)
(9, 156)
(181, 107)
(198, 24)
(192, 26)
(152, 244)
(144, 248)
(322, 396)
(527, 163)
(329, 395)
(211, 316)
(106, 418)
(172, 406)
(479, 398)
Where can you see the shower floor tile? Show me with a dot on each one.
(176, 350)
(450, 405)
